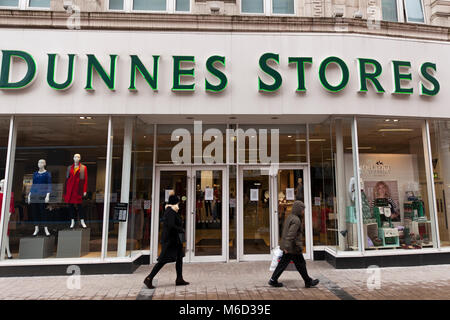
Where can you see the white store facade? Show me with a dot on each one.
(346, 112)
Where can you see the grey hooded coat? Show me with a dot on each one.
(291, 238)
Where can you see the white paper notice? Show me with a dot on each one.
(147, 204)
(254, 194)
(209, 194)
(290, 194)
(168, 191)
(232, 202)
(317, 201)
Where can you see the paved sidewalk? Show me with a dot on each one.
(236, 281)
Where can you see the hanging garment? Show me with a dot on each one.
(76, 184)
(11, 205)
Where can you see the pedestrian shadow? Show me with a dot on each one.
(147, 294)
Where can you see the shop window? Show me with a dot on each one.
(26, 4)
(440, 147)
(58, 187)
(395, 202)
(154, 5)
(263, 6)
(403, 11)
(139, 223)
(334, 215)
(11, 213)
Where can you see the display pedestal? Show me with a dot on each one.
(36, 247)
(73, 243)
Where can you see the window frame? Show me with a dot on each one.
(170, 8)
(24, 5)
(402, 14)
(405, 12)
(268, 10)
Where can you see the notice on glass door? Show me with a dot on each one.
(168, 191)
(290, 194)
(254, 195)
(209, 194)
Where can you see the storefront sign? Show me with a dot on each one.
(368, 71)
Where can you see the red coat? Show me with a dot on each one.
(76, 184)
(11, 205)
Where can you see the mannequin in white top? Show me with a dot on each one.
(8, 251)
(40, 195)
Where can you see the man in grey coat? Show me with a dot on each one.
(291, 244)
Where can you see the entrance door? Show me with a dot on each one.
(202, 191)
(266, 197)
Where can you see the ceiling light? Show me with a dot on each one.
(360, 148)
(395, 130)
(82, 118)
(289, 136)
(387, 120)
(395, 120)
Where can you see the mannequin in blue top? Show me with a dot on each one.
(39, 196)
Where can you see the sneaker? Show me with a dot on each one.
(312, 283)
(275, 284)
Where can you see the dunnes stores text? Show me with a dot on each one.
(368, 73)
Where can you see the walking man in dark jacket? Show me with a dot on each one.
(291, 244)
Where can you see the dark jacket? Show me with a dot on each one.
(291, 238)
(170, 240)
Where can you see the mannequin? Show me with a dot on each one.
(75, 189)
(11, 211)
(40, 195)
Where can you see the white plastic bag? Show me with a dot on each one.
(277, 253)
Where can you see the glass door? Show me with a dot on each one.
(289, 185)
(209, 215)
(169, 181)
(255, 214)
(203, 197)
(266, 196)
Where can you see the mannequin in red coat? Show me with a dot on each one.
(75, 189)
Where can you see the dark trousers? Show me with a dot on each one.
(299, 262)
(208, 207)
(39, 214)
(73, 211)
(38, 210)
(178, 267)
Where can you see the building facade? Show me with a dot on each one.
(238, 107)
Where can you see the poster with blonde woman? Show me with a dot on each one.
(385, 193)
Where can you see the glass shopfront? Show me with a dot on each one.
(58, 187)
(440, 147)
(394, 186)
(233, 204)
